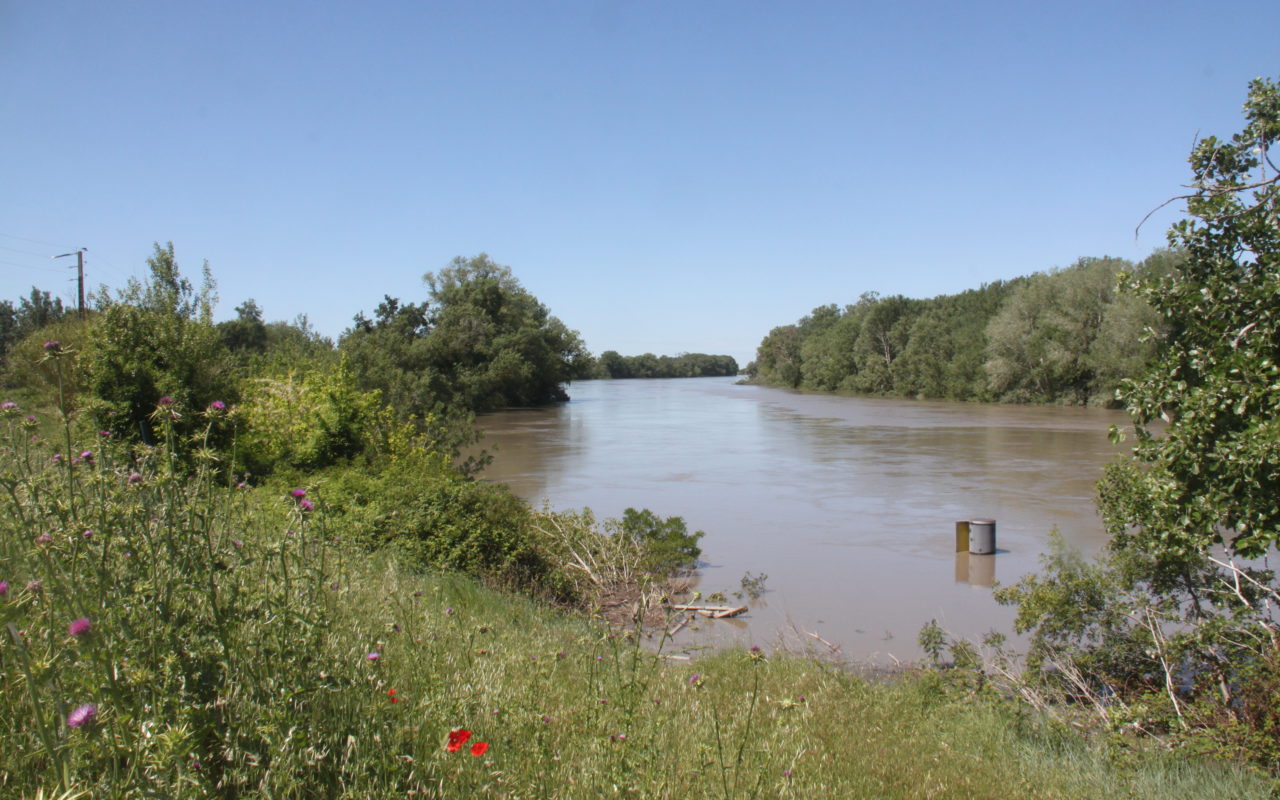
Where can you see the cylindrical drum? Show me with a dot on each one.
(982, 537)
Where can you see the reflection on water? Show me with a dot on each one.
(847, 504)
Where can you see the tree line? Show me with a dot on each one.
(1061, 336)
(611, 364)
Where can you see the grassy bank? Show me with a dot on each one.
(168, 636)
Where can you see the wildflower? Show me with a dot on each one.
(786, 773)
(448, 612)
(44, 538)
(53, 346)
(105, 434)
(87, 456)
(236, 543)
(298, 494)
(35, 586)
(305, 505)
(457, 739)
(135, 478)
(166, 400)
(546, 718)
(391, 693)
(479, 748)
(4, 588)
(242, 485)
(88, 533)
(57, 458)
(694, 678)
(374, 656)
(80, 627)
(9, 406)
(83, 715)
(217, 407)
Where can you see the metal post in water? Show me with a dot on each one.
(982, 537)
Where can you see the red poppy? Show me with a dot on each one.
(457, 739)
(392, 694)
(479, 748)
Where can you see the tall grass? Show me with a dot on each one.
(166, 635)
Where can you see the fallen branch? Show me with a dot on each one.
(835, 648)
(715, 612)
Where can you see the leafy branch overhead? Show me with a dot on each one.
(1214, 473)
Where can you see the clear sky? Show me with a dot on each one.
(664, 176)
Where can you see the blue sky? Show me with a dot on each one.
(664, 176)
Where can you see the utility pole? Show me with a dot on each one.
(79, 254)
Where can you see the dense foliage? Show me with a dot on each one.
(481, 342)
(1064, 336)
(611, 364)
(29, 315)
(1180, 620)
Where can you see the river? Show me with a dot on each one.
(847, 504)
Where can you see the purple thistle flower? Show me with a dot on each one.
(88, 533)
(374, 656)
(82, 715)
(694, 678)
(57, 458)
(8, 405)
(80, 627)
(53, 345)
(44, 538)
(134, 478)
(217, 406)
(86, 455)
(105, 434)
(35, 586)
(305, 505)
(4, 588)
(298, 494)
(166, 400)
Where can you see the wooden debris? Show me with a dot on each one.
(715, 612)
(680, 626)
(835, 648)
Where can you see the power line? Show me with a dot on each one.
(44, 269)
(32, 241)
(24, 252)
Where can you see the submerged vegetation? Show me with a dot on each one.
(237, 560)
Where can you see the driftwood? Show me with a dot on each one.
(835, 648)
(680, 626)
(715, 612)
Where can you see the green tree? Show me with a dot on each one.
(1213, 475)
(1169, 618)
(156, 340)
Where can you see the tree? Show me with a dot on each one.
(1213, 476)
(156, 340)
(493, 343)
(482, 342)
(246, 333)
(1169, 612)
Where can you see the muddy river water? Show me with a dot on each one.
(848, 505)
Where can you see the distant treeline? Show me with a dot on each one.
(685, 365)
(1063, 336)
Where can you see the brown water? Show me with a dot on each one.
(847, 504)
